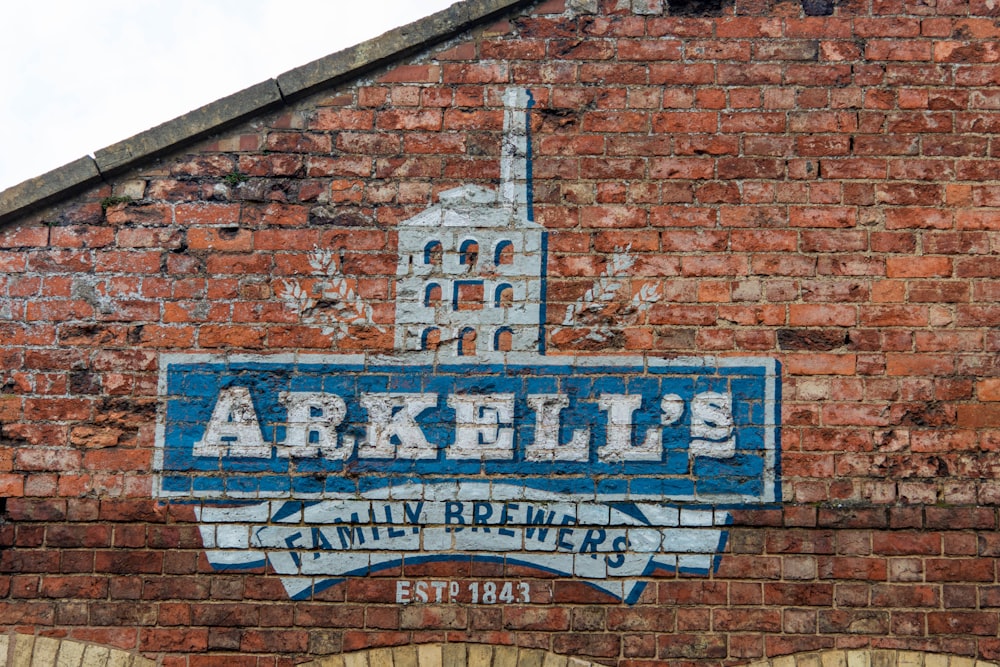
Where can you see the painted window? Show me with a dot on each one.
(430, 338)
(467, 342)
(432, 295)
(504, 254)
(503, 297)
(503, 340)
(432, 253)
(469, 295)
(469, 252)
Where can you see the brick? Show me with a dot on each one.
(470, 73)
(853, 168)
(405, 119)
(825, 364)
(918, 267)
(832, 217)
(164, 639)
(207, 214)
(298, 142)
(822, 315)
(80, 236)
(977, 220)
(749, 74)
(681, 168)
(918, 364)
(961, 518)
(605, 168)
(65, 587)
(965, 569)
(738, 168)
(966, 623)
(229, 239)
(684, 121)
(218, 336)
(752, 122)
(736, 620)
(24, 237)
(613, 216)
(691, 646)
(988, 389)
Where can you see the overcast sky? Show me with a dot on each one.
(76, 76)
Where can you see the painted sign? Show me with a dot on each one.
(603, 468)
(470, 442)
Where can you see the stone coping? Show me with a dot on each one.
(286, 88)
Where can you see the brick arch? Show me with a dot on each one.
(871, 658)
(484, 655)
(450, 655)
(31, 651)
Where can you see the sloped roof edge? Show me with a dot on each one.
(294, 84)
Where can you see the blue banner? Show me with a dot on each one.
(588, 427)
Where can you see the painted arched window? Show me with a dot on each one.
(503, 340)
(467, 342)
(468, 252)
(430, 338)
(432, 295)
(503, 297)
(432, 253)
(504, 254)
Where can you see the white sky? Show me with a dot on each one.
(76, 76)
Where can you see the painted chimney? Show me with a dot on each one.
(514, 149)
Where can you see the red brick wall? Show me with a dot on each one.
(820, 190)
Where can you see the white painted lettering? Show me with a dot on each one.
(618, 446)
(483, 427)
(313, 418)
(462, 592)
(480, 432)
(233, 428)
(546, 446)
(712, 425)
(393, 417)
(439, 587)
(672, 407)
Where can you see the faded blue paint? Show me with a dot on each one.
(193, 388)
